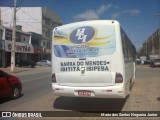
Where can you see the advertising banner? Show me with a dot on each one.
(84, 41)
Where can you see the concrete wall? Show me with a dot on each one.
(29, 18)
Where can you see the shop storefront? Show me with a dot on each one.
(41, 54)
(1, 52)
(22, 51)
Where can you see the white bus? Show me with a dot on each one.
(92, 59)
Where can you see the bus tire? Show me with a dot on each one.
(129, 87)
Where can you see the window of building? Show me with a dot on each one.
(46, 33)
(49, 33)
(48, 45)
(8, 35)
(44, 43)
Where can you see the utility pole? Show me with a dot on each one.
(13, 39)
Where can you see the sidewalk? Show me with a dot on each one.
(146, 66)
(23, 70)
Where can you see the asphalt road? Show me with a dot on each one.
(35, 84)
(38, 96)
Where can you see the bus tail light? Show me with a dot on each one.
(119, 78)
(54, 78)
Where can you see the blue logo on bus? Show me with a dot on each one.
(82, 35)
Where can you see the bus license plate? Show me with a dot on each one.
(84, 93)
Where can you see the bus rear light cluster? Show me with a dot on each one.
(54, 78)
(118, 78)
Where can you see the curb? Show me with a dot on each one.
(19, 70)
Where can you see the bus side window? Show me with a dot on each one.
(125, 52)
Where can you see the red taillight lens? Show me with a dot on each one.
(54, 78)
(119, 78)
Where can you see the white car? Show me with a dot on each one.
(155, 62)
(45, 63)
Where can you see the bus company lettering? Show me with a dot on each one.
(82, 35)
(89, 65)
(95, 63)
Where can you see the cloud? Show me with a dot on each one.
(87, 15)
(93, 14)
(103, 8)
(132, 12)
(115, 15)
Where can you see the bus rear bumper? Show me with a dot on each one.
(116, 91)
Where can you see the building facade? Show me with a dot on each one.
(36, 40)
(34, 19)
(2, 48)
(151, 47)
(23, 47)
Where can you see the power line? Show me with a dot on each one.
(30, 16)
(5, 9)
(26, 21)
(32, 25)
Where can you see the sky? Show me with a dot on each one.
(138, 18)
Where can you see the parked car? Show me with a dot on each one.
(46, 63)
(155, 62)
(10, 86)
(27, 63)
(138, 61)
